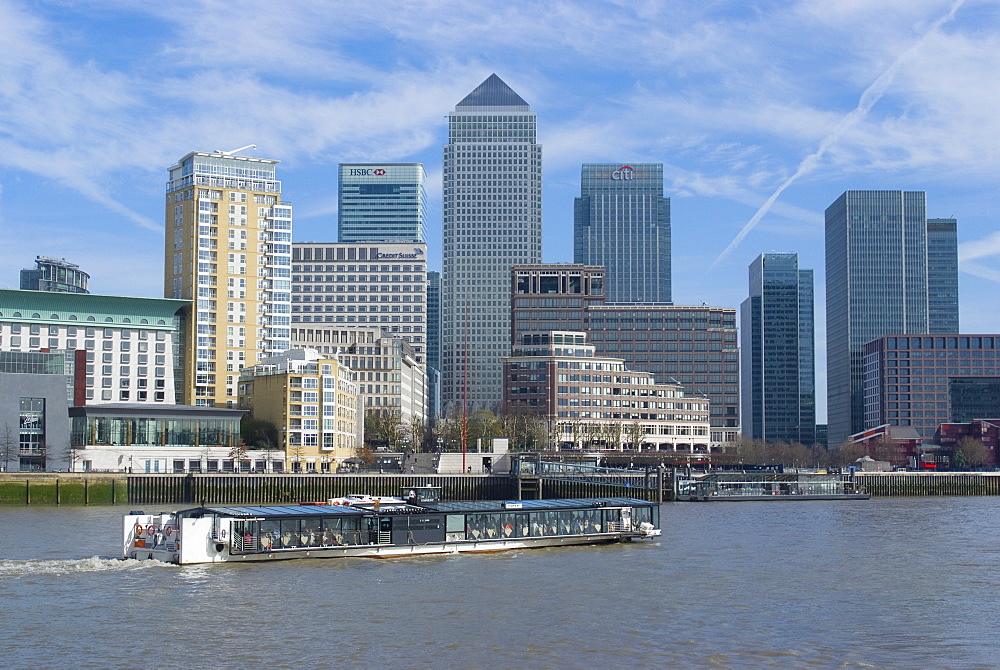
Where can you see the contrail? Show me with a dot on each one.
(871, 95)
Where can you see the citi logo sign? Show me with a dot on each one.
(624, 173)
(367, 172)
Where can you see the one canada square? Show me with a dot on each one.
(492, 220)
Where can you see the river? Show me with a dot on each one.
(885, 583)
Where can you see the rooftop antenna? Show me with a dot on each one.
(230, 153)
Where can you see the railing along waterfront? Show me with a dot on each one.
(928, 483)
(575, 480)
(292, 488)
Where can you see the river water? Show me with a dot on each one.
(893, 583)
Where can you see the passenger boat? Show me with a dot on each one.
(728, 486)
(361, 526)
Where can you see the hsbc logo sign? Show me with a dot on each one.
(367, 172)
(378, 172)
(624, 173)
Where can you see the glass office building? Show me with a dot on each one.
(778, 362)
(622, 221)
(381, 202)
(54, 274)
(492, 204)
(942, 275)
(876, 284)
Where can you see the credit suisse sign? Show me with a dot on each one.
(367, 172)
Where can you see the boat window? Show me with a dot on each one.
(289, 533)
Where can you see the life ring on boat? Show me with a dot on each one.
(168, 531)
(138, 529)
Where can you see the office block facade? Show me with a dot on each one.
(383, 366)
(778, 352)
(312, 400)
(876, 284)
(228, 249)
(363, 285)
(621, 221)
(381, 202)
(55, 274)
(924, 381)
(596, 402)
(133, 348)
(695, 347)
(492, 220)
(434, 343)
(942, 276)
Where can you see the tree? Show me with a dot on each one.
(258, 433)
(636, 434)
(239, 454)
(592, 434)
(970, 452)
(298, 453)
(9, 446)
(483, 423)
(418, 431)
(612, 435)
(384, 427)
(74, 455)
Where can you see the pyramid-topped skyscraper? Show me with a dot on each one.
(493, 92)
(492, 221)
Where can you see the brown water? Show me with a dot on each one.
(900, 583)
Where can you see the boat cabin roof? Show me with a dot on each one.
(461, 507)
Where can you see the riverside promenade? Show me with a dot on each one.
(84, 488)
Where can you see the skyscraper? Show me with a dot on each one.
(228, 248)
(876, 284)
(381, 202)
(622, 221)
(778, 355)
(942, 275)
(492, 220)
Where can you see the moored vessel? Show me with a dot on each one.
(766, 486)
(371, 527)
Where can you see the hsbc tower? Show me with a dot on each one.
(381, 202)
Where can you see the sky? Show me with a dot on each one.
(762, 113)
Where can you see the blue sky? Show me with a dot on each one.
(762, 113)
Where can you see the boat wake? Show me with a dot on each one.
(11, 569)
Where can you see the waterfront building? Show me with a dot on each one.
(54, 274)
(876, 283)
(987, 431)
(695, 347)
(621, 221)
(228, 249)
(130, 349)
(384, 366)
(924, 381)
(35, 393)
(381, 202)
(162, 439)
(942, 276)
(596, 402)
(364, 285)
(312, 400)
(777, 364)
(492, 211)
